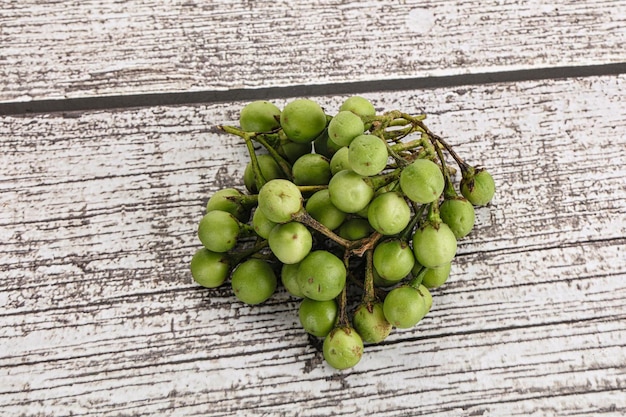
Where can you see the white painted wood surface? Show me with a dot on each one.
(98, 210)
(100, 315)
(90, 48)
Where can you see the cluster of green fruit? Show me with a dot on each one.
(355, 214)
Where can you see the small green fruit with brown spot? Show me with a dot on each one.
(343, 348)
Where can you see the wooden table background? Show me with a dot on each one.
(108, 155)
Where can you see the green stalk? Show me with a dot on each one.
(305, 189)
(400, 161)
(245, 230)
(237, 257)
(380, 119)
(448, 190)
(433, 215)
(245, 200)
(417, 119)
(416, 281)
(406, 233)
(407, 146)
(247, 137)
(382, 180)
(395, 135)
(282, 162)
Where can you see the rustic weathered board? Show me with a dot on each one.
(100, 315)
(59, 50)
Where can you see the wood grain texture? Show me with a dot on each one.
(59, 49)
(100, 315)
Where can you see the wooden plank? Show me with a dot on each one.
(55, 50)
(99, 313)
(430, 373)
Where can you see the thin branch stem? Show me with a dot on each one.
(448, 190)
(259, 179)
(237, 257)
(306, 219)
(369, 294)
(419, 212)
(343, 319)
(282, 162)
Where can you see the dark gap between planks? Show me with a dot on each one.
(268, 93)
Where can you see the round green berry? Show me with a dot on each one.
(311, 169)
(253, 281)
(349, 192)
(436, 277)
(318, 317)
(218, 231)
(370, 322)
(289, 278)
(458, 213)
(292, 150)
(322, 209)
(344, 127)
(261, 224)
(209, 269)
(355, 228)
(280, 200)
(479, 188)
(388, 213)
(382, 282)
(422, 181)
(259, 116)
(427, 296)
(343, 348)
(393, 260)
(434, 245)
(367, 155)
(290, 242)
(225, 200)
(404, 307)
(324, 146)
(358, 105)
(303, 120)
(321, 275)
(340, 161)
